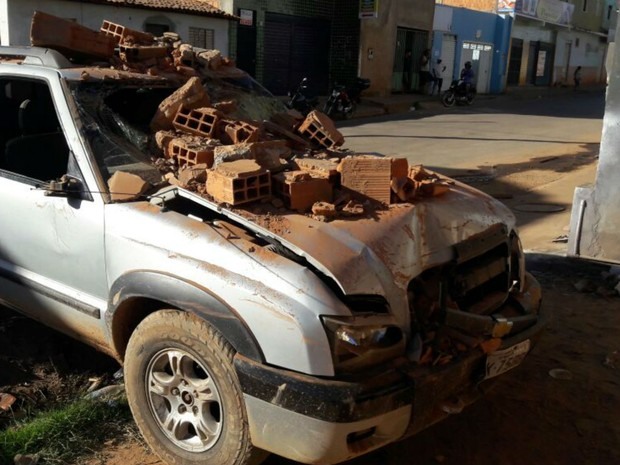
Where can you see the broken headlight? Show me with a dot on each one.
(363, 341)
(517, 264)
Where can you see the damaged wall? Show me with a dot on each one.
(15, 17)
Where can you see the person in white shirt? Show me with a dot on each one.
(438, 70)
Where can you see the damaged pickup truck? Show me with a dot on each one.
(248, 318)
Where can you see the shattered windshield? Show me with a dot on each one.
(117, 116)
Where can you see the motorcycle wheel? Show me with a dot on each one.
(469, 98)
(448, 98)
(328, 108)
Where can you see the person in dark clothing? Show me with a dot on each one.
(407, 68)
(425, 70)
(577, 77)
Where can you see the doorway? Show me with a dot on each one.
(406, 68)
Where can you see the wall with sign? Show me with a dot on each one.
(483, 38)
(379, 37)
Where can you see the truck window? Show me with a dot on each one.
(32, 143)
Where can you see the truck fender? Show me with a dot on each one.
(185, 295)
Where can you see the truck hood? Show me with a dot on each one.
(371, 255)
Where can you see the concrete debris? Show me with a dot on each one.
(200, 144)
(324, 211)
(6, 401)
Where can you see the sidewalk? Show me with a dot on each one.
(404, 103)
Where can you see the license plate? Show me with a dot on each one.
(503, 360)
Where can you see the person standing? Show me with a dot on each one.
(425, 70)
(577, 77)
(438, 71)
(467, 76)
(407, 68)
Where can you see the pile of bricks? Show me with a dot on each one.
(292, 161)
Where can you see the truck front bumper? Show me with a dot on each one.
(327, 421)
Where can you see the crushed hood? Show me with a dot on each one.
(374, 254)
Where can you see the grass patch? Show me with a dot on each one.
(64, 433)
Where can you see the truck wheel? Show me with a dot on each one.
(184, 393)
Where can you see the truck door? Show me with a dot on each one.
(51, 246)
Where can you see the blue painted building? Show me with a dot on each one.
(461, 35)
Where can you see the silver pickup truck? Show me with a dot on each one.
(317, 341)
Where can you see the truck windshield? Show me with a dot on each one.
(116, 116)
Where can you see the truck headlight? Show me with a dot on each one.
(517, 264)
(363, 341)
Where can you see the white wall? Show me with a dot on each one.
(532, 33)
(90, 15)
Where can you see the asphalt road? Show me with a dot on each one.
(492, 131)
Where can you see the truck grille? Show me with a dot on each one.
(476, 281)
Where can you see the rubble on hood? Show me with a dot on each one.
(295, 161)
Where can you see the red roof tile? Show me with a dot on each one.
(200, 7)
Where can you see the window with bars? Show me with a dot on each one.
(201, 37)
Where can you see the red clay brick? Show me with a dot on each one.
(238, 182)
(236, 132)
(327, 169)
(121, 33)
(367, 175)
(320, 129)
(68, 37)
(191, 95)
(201, 121)
(300, 190)
(189, 154)
(400, 167)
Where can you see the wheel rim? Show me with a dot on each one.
(184, 400)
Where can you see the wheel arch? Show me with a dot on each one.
(137, 294)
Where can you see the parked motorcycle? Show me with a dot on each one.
(302, 99)
(343, 99)
(459, 93)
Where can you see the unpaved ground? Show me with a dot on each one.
(529, 417)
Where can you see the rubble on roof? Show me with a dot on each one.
(295, 163)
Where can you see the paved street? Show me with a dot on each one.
(522, 151)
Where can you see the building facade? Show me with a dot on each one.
(461, 35)
(328, 41)
(197, 22)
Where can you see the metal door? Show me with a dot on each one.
(481, 57)
(294, 48)
(246, 46)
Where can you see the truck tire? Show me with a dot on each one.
(184, 393)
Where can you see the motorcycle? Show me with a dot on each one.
(459, 93)
(302, 99)
(343, 99)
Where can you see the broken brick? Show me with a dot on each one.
(191, 95)
(228, 153)
(300, 190)
(404, 188)
(367, 175)
(121, 34)
(324, 210)
(195, 173)
(191, 153)
(269, 154)
(201, 121)
(321, 130)
(211, 59)
(400, 168)
(235, 132)
(68, 37)
(327, 168)
(226, 107)
(163, 139)
(126, 186)
(141, 53)
(238, 182)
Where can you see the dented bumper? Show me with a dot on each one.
(345, 418)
